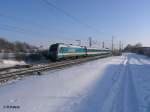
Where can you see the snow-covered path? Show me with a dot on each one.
(114, 84)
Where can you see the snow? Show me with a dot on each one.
(114, 84)
(9, 63)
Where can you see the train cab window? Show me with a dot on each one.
(53, 48)
(61, 50)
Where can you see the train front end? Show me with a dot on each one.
(53, 52)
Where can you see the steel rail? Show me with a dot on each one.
(43, 67)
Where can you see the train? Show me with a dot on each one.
(60, 51)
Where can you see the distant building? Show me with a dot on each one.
(146, 51)
(142, 50)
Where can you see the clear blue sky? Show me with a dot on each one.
(35, 22)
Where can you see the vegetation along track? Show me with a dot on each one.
(4, 77)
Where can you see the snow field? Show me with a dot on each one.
(58, 91)
(114, 84)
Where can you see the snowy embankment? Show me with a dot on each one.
(9, 63)
(114, 84)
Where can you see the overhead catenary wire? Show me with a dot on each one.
(70, 16)
(14, 27)
(18, 29)
(28, 32)
(50, 4)
(15, 18)
(74, 18)
(27, 21)
(12, 30)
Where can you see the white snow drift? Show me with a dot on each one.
(9, 63)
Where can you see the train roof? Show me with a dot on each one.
(98, 48)
(75, 46)
(69, 45)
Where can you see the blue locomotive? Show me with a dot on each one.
(60, 51)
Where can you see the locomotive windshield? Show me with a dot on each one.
(53, 52)
(53, 48)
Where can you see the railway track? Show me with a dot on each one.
(6, 76)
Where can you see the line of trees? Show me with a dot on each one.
(21, 51)
(137, 48)
(7, 46)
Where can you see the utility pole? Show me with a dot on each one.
(120, 46)
(103, 44)
(112, 43)
(90, 41)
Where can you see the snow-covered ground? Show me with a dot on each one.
(114, 84)
(8, 63)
